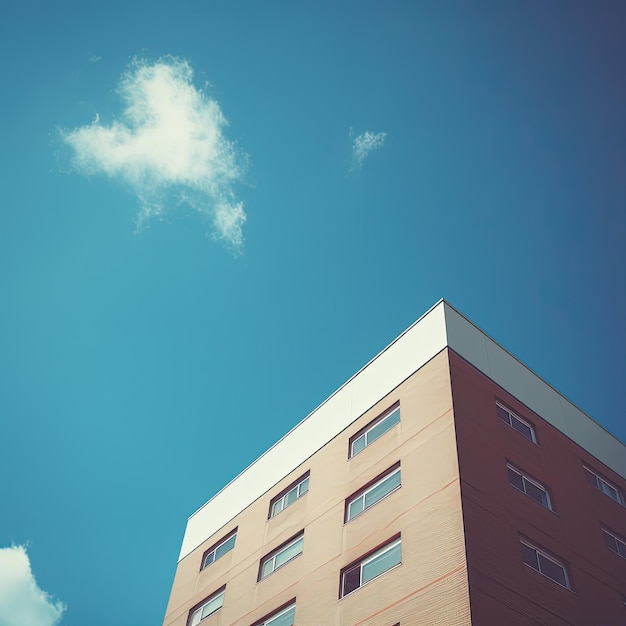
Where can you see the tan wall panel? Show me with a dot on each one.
(397, 362)
(433, 562)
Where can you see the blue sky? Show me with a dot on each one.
(214, 213)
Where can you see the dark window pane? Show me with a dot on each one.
(536, 493)
(610, 541)
(609, 491)
(529, 556)
(210, 557)
(515, 479)
(351, 580)
(621, 548)
(552, 570)
(522, 428)
(503, 414)
(591, 478)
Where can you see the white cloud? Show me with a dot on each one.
(168, 147)
(22, 603)
(363, 144)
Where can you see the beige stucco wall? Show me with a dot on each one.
(430, 586)
(399, 360)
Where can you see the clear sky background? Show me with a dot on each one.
(214, 213)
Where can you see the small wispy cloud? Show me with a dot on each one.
(168, 147)
(21, 600)
(362, 145)
(95, 58)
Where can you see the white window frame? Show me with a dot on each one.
(301, 487)
(268, 621)
(602, 481)
(618, 540)
(514, 416)
(272, 556)
(364, 562)
(198, 611)
(363, 493)
(526, 478)
(231, 535)
(550, 558)
(383, 417)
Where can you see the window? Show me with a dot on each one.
(530, 487)
(289, 496)
(282, 555)
(516, 422)
(206, 607)
(544, 563)
(604, 485)
(614, 542)
(374, 430)
(370, 567)
(282, 617)
(369, 495)
(219, 549)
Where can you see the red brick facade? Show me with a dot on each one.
(503, 590)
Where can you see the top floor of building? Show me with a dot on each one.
(440, 328)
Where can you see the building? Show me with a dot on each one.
(444, 483)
